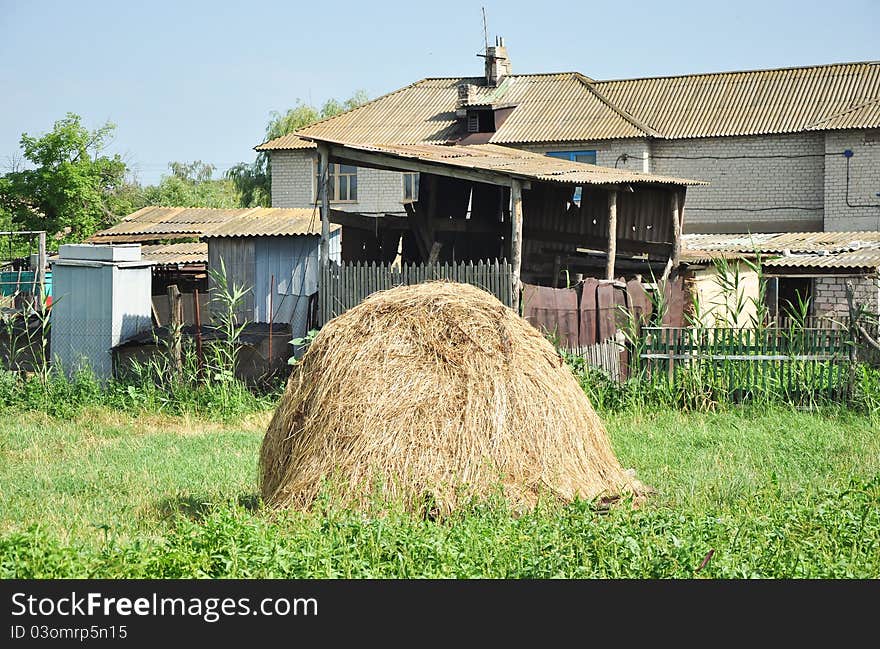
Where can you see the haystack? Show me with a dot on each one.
(435, 393)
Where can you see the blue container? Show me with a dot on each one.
(12, 282)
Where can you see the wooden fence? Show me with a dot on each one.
(605, 356)
(345, 285)
(793, 362)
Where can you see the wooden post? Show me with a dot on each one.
(271, 319)
(516, 228)
(324, 194)
(612, 234)
(197, 317)
(175, 324)
(675, 255)
(41, 271)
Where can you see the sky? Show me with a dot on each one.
(188, 81)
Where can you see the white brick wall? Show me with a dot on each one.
(829, 294)
(864, 181)
(740, 171)
(293, 184)
(743, 176)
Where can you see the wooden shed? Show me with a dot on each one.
(276, 258)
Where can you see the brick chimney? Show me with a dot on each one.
(497, 63)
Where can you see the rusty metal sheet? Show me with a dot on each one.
(606, 306)
(553, 311)
(588, 333)
(675, 299)
(639, 302)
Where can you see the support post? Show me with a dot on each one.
(324, 193)
(612, 234)
(175, 324)
(41, 271)
(675, 255)
(197, 316)
(516, 228)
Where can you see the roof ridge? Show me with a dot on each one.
(642, 126)
(851, 109)
(346, 112)
(749, 71)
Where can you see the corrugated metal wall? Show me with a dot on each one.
(292, 260)
(95, 308)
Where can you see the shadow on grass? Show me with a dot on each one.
(196, 508)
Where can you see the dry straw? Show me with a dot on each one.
(435, 393)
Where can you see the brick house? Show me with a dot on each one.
(785, 150)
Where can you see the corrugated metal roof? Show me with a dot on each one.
(513, 162)
(152, 223)
(176, 253)
(569, 107)
(549, 108)
(753, 102)
(270, 222)
(789, 249)
(862, 259)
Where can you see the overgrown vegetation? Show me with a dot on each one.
(761, 492)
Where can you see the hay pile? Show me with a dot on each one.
(437, 392)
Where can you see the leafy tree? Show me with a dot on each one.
(68, 187)
(192, 185)
(254, 180)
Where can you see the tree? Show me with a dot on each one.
(254, 180)
(69, 187)
(192, 185)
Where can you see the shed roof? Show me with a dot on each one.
(154, 223)
(570, 107)
(830, 250)
(176, 253)
(507, 161)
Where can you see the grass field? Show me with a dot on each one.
(768, 492)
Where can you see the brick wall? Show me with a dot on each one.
(293, 184)
(829, 294)
(745, 184)
(808, 173)
(864, 181)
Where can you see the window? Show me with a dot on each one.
(575, 156)
(481, 120)
(410, 187)
(343, 182)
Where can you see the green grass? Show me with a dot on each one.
(774, 492)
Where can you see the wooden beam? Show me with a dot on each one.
(612, 234)
(516, 235)
(632, 246)
(324, 192)
(394, 222)
(378, 160)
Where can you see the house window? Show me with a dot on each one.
(343, 182)
(575, 156)
(410, 187)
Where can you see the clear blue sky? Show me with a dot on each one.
(197, 80)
